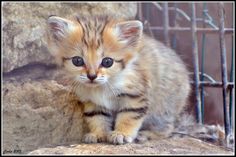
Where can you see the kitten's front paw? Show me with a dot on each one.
(93, 138)
(116, 137)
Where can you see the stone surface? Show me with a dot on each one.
(40, 116)
(165, 146)
(39, 113)
(24, 24)
(36, 110)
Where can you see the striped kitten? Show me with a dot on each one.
(127, 80)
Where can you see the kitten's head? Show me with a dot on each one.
(93, 49)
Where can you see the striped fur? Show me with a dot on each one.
(145, 88)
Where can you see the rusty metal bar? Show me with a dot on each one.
(224, 68)
(166, 23)
(198, 30)
(195, 62)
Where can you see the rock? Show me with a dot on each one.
(39, 113)
(165, 146)
(24, 24)
(39, 117)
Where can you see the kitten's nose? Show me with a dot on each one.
(91, 76)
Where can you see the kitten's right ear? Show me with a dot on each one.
(59, 28)
(129, 32)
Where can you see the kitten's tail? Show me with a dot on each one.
(186, 126)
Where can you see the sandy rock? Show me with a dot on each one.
(164, 146)
(37, 114)
(24, 24)
(40, 118)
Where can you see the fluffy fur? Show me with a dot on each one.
(146, 88)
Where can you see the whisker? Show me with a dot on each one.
(69, 90)
(74, 85)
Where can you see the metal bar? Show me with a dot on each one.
(209, 22)
(203, 60)
(158, 6)
(231, 94)
(166, 23)
(145, 22)
(181, 12)
(140, 11)
(147, 9)
(173, 43)
(147, 25)
(224, 69)
(199, 30)
(232, 79)
(212, 23)
(195, 62)
(212, 82)
(207, 76)
(216, 84)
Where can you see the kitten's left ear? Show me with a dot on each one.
(58, 30)
(129, 32)
(59, 27)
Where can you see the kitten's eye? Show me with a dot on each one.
(107, 62)
(77, 61)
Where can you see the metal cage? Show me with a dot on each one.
(209, 27)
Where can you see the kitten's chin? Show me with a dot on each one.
(92, 84)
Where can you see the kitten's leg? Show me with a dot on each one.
(99, 122)
(129, 120)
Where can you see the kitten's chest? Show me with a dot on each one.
(99, 97)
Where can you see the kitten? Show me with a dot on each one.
(127, 80)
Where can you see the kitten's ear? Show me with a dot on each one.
(59, 28)
(129, 32)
